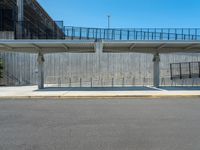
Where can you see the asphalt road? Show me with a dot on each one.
(159, 124)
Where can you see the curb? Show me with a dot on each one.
(98, 97)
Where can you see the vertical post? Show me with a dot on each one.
(199, 69)
(20, 17)
(171, 72)
(20, 5)
(128, 35)
(108, 21)
(91, 82)
(190, 70)
(120, 34)
(156, 70)
(180, 69)
(40, 70)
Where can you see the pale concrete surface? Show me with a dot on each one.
(32, 91)
(121, 124)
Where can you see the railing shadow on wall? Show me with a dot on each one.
(57, 81)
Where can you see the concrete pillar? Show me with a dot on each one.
(98, 51)
(40, 71)
(20, 18)
(156, 70)
(20, 5)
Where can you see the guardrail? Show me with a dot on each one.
(133, 33)
(56, 30)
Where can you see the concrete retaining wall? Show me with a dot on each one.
(98, 69)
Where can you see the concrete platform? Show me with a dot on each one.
(129, 92)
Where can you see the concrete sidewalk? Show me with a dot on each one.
(129, 92)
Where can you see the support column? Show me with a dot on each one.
(20, 5)
(156, 70)
(20, 18)
(98, 51)
(40, 71)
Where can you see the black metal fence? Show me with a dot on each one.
(185, 70)
(133, 33)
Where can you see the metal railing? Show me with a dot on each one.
(133, 33)
(56, 30)
(185, 70)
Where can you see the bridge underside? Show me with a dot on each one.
(155, 48)
(78, 46)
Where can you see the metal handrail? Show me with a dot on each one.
(132, 33)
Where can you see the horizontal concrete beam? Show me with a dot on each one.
(79, 46)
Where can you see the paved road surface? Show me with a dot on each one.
(160, 124)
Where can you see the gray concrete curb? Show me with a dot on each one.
(98, 97)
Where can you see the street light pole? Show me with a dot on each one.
(108, 21)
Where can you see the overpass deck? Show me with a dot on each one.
(89, 46)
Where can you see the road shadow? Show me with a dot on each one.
(180, 88)
(98, 89)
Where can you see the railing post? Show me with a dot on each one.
(112, 82)
(80, 33)
(93, 33)
(180, 70)
(120, 34)
(199, 69)
(133, 82)
(195, 34)
(100, 33)
(70, 82)
(161, 34)
(88, 32)
(128, 35)
(96, 34)
(123, 82)
(189, 33)
(104, 33)
(168, 34)
(113, 34)
(80, 82)
(171, 72)
(155, 34)
(182, 34)
(136, 35)
(190, 72)
(175, 34)
(72, 33)
(91, 82)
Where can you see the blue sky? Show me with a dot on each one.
(125, 13)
